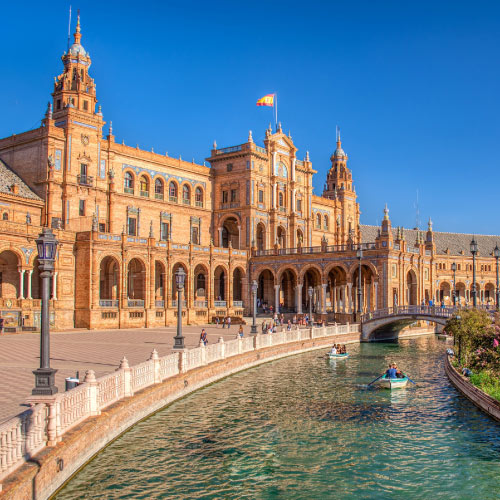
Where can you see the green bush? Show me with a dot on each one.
(487, 382)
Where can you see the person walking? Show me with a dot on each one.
(216, 321)
(240, 331)
(228, 322)
(1, 326)
(203, 336)
(223, 322)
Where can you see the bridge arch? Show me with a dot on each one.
(385, 324)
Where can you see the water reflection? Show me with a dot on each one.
(305, 427)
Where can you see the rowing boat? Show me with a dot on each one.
(442, 336)
(393, 383)
(341, 356)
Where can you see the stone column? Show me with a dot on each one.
(152, 283)
(239, 236)
(277, 298)
(54, 286)
(349, 296)
(21, 284)
(298, 298)
(274, 195)
(323, 297)
(30, 272)
(293, 201)
(220, 236)
(376, 295)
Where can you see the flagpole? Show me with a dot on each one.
(276, 111)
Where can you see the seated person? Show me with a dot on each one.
(391, 372)
(333, 350)
(399, 373)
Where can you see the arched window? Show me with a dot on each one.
(281, 200)
(198, 197)
(318, 221)
(144, 186)
(5, 216)
(186, 195)
(128, 183)
(172, 191)
(159, 189)
(325, 223)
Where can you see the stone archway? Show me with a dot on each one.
(265, 290)
(337, 290)
(311, 278)
(136, 282)
(220, 284)
(9, 275)
(411, 288)
(230, 233)
(109, 281)
(288, 286)
(261, 236)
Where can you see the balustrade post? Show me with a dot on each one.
(52, 423)
(127, 377)
(93, 386)
(182, 361)
(222, 347)
(240, 345)
(155, 359)
(203, 353)
(256, 341)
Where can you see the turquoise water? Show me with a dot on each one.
(304, 427)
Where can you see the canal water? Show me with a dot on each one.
(304, 427)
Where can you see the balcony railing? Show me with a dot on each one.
(220, 303)
(159, 196)
(135, 303)
(200, 303)
(199, 204)
(145, 194)
(186, 201)
(237, 303)
(128, 190)
(320, 249)
(172, 199)
(233, 204)
(108, 303)
(174, 303)
(85, 180)
(160, 303)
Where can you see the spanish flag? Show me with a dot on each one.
(267, 100)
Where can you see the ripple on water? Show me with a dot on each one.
(304, 427)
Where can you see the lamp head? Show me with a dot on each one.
(254, 287)
(473, 246)
(47, 248)
(496, 251)
(359, 252)
(310, 291)
(180, 277)
(454, 266)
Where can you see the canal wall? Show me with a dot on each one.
(482, 400)
(44, 446)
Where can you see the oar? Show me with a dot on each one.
(376, 379)
(410, 379)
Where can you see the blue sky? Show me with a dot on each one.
(413, 86)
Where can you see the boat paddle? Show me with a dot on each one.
(376, 379)
(410, 379)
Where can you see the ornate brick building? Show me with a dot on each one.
(128, 218)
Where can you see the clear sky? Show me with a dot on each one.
(414, 87)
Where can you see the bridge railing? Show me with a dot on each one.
(437, 311)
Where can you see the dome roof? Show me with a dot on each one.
(339, 153)
(77, 49)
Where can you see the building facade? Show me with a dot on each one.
(127, 219)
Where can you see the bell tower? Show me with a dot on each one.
(74, 88)
(339, 187)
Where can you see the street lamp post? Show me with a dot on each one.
(496, 253)
(45, 375)
(454, 269)
(254, 287)
(473, 251)
(360, 293)
(180, 276)
(310, 293)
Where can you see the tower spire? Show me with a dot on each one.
(78, 35)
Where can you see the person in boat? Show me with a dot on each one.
(391, 371)
(333, 349)
(399, 373)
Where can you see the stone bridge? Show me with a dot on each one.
(385, 324)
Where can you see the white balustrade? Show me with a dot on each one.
(26, 434)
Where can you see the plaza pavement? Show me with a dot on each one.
(81, 350)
